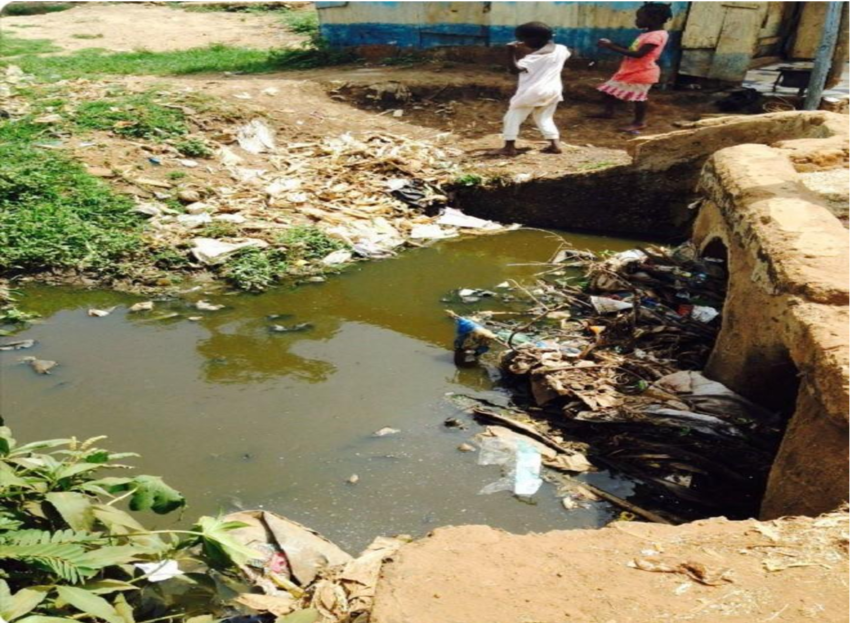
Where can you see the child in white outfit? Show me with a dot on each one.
(540, 88)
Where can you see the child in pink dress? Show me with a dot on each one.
(638, 70)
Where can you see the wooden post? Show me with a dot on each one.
(823, 60)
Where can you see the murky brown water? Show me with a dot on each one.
(236, 416)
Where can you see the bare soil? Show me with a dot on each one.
(131, 26)
(791, 570)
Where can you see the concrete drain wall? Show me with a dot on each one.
(650, 197)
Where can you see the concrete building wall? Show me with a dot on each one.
(578, 25)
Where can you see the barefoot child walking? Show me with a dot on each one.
(638, 70)
(539, 90)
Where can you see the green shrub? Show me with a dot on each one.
(256, 270)
(194, 148)
(67, 547)
(308, 243)
(35, 8)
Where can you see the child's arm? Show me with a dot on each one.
(512, 59)
(639, 53)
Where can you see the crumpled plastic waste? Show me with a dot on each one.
(607, 305)
(455, 218)
(256, 137)
(520, 461)
(471, 340)
(335, 258)
(431, 231)
(213, 251)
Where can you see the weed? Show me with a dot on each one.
(301, 22)
(176, 175)
(193, 148)
(137, 116)
(168, 258)
(592, 166)
(34, 8)
(84, 36)
(403, 60)
(469, 179)
(310, 56)
(255, 270)
(220, 230)
(54, 215)
(308, 243)
(13, 46)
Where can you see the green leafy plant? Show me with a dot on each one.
(176, 175)
(256, 270)
(308, 243)
(194, 147)
(69, 551)
(469, 179)
(137, 116)
(35, 8)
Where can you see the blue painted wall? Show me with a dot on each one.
(578, 25)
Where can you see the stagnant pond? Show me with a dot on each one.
(236, 416)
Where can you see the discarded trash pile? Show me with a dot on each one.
(216, 179)
(296, 572)
(612, 361)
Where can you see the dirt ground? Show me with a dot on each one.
(791, 570)
(131, 26)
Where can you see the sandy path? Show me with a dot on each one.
(129, 26)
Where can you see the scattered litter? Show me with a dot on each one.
(386, 431)
(455, 218)
(243, 96)
(40, 366)
(431, 232)
(694, 570)
(189, 164)
(520, 462)
(236, 219)
(159, 571)
(353, 479)
(471, 340)
(296, 328)
(193, 221)
(341, 256)
(100, 313)
(17, 345)
(605, 305)
(466, 447)
(207, 306)
(256, 137)
(213, 251)
(143, 306)
(270, 91)
(703, 313)
(228, 157)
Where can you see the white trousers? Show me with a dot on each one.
(543, 117)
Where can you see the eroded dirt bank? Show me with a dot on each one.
(789, 570)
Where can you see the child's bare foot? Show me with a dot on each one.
(633, 128)
(553, 148)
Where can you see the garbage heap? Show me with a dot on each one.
(611, 358)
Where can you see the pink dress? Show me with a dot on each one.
(636, 76)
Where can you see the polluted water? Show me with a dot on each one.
(239, 414)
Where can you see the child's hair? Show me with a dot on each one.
(657, 11)
(533, 30)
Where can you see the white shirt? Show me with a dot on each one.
(540, 83)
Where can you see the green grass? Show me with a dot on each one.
(54, 215)
(301, 22)
(134, 116)
(34, 8)
(84, 36)
(212, 59)
(15, 46)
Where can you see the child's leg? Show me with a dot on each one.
(639, 122)
(609, 104)
(545, 119)
(513, 120)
